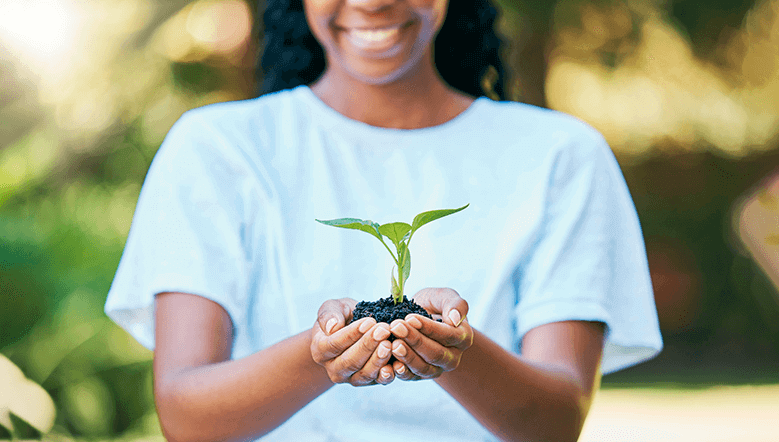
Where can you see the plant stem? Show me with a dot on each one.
(399, 297)
(390, 251)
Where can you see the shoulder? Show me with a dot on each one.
(538, 120)
(236, 129)
(241, 117)
(544, 134)
(232, 142)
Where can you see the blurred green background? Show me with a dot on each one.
(686, 92)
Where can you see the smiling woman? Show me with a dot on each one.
(376, 107)
(463, 51)
(376, 47)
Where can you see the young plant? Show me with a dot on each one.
(400, 234)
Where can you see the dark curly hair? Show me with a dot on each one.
(466, 51)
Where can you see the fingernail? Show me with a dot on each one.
(330, 324)
(385, 375)
(399, 351)
(414, 322)
(380, 334)
(365, 326)
(384, 351)
(454, 316)
(400, 330)
(401, 369)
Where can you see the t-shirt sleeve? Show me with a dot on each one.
(187, 233)
(590, 261)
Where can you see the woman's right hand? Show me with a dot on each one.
(357, 353)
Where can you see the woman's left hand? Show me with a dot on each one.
(427, 348)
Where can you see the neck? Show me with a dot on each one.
(419, 101)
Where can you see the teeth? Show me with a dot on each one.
(366, 37)
(371, 35)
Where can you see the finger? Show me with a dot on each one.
(432, 352)
(372, 370)
(403, 373)
(355, 357)
(414, 362)
(334, 314)
(443, 301)
(337, 343)
(455, 311)
(386, 375)
(459, 337)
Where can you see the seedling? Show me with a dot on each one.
(400, 234)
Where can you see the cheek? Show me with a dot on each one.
(320, 31)
(432, 10)
(319, 14)
(431, 20)
(430, 24)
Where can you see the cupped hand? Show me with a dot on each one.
(426, 348)
(357, 353)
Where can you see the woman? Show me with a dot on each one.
(225, 268)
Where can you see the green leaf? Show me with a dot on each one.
(425, 217)
(395, 287)
(23, 430)
(355, 224)
(395, 231)
(405, 262)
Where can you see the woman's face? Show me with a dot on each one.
(376, 41)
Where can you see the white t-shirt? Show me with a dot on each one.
(228, 207)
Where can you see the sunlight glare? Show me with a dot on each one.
(41, 33)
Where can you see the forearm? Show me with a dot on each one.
(515, 399)
(240, 399)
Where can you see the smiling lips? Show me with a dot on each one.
(374, 39)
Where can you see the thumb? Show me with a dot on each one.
(443, 301)
(334, 314)
(454, 310)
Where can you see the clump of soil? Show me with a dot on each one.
(385, 310)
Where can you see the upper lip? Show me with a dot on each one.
(374, 27)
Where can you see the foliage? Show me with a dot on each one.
(400, 234)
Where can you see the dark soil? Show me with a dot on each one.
(385, 310)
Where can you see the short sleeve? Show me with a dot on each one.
(589, 262)
(188, 232)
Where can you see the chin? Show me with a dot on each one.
(377, 80)
(383, 77)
